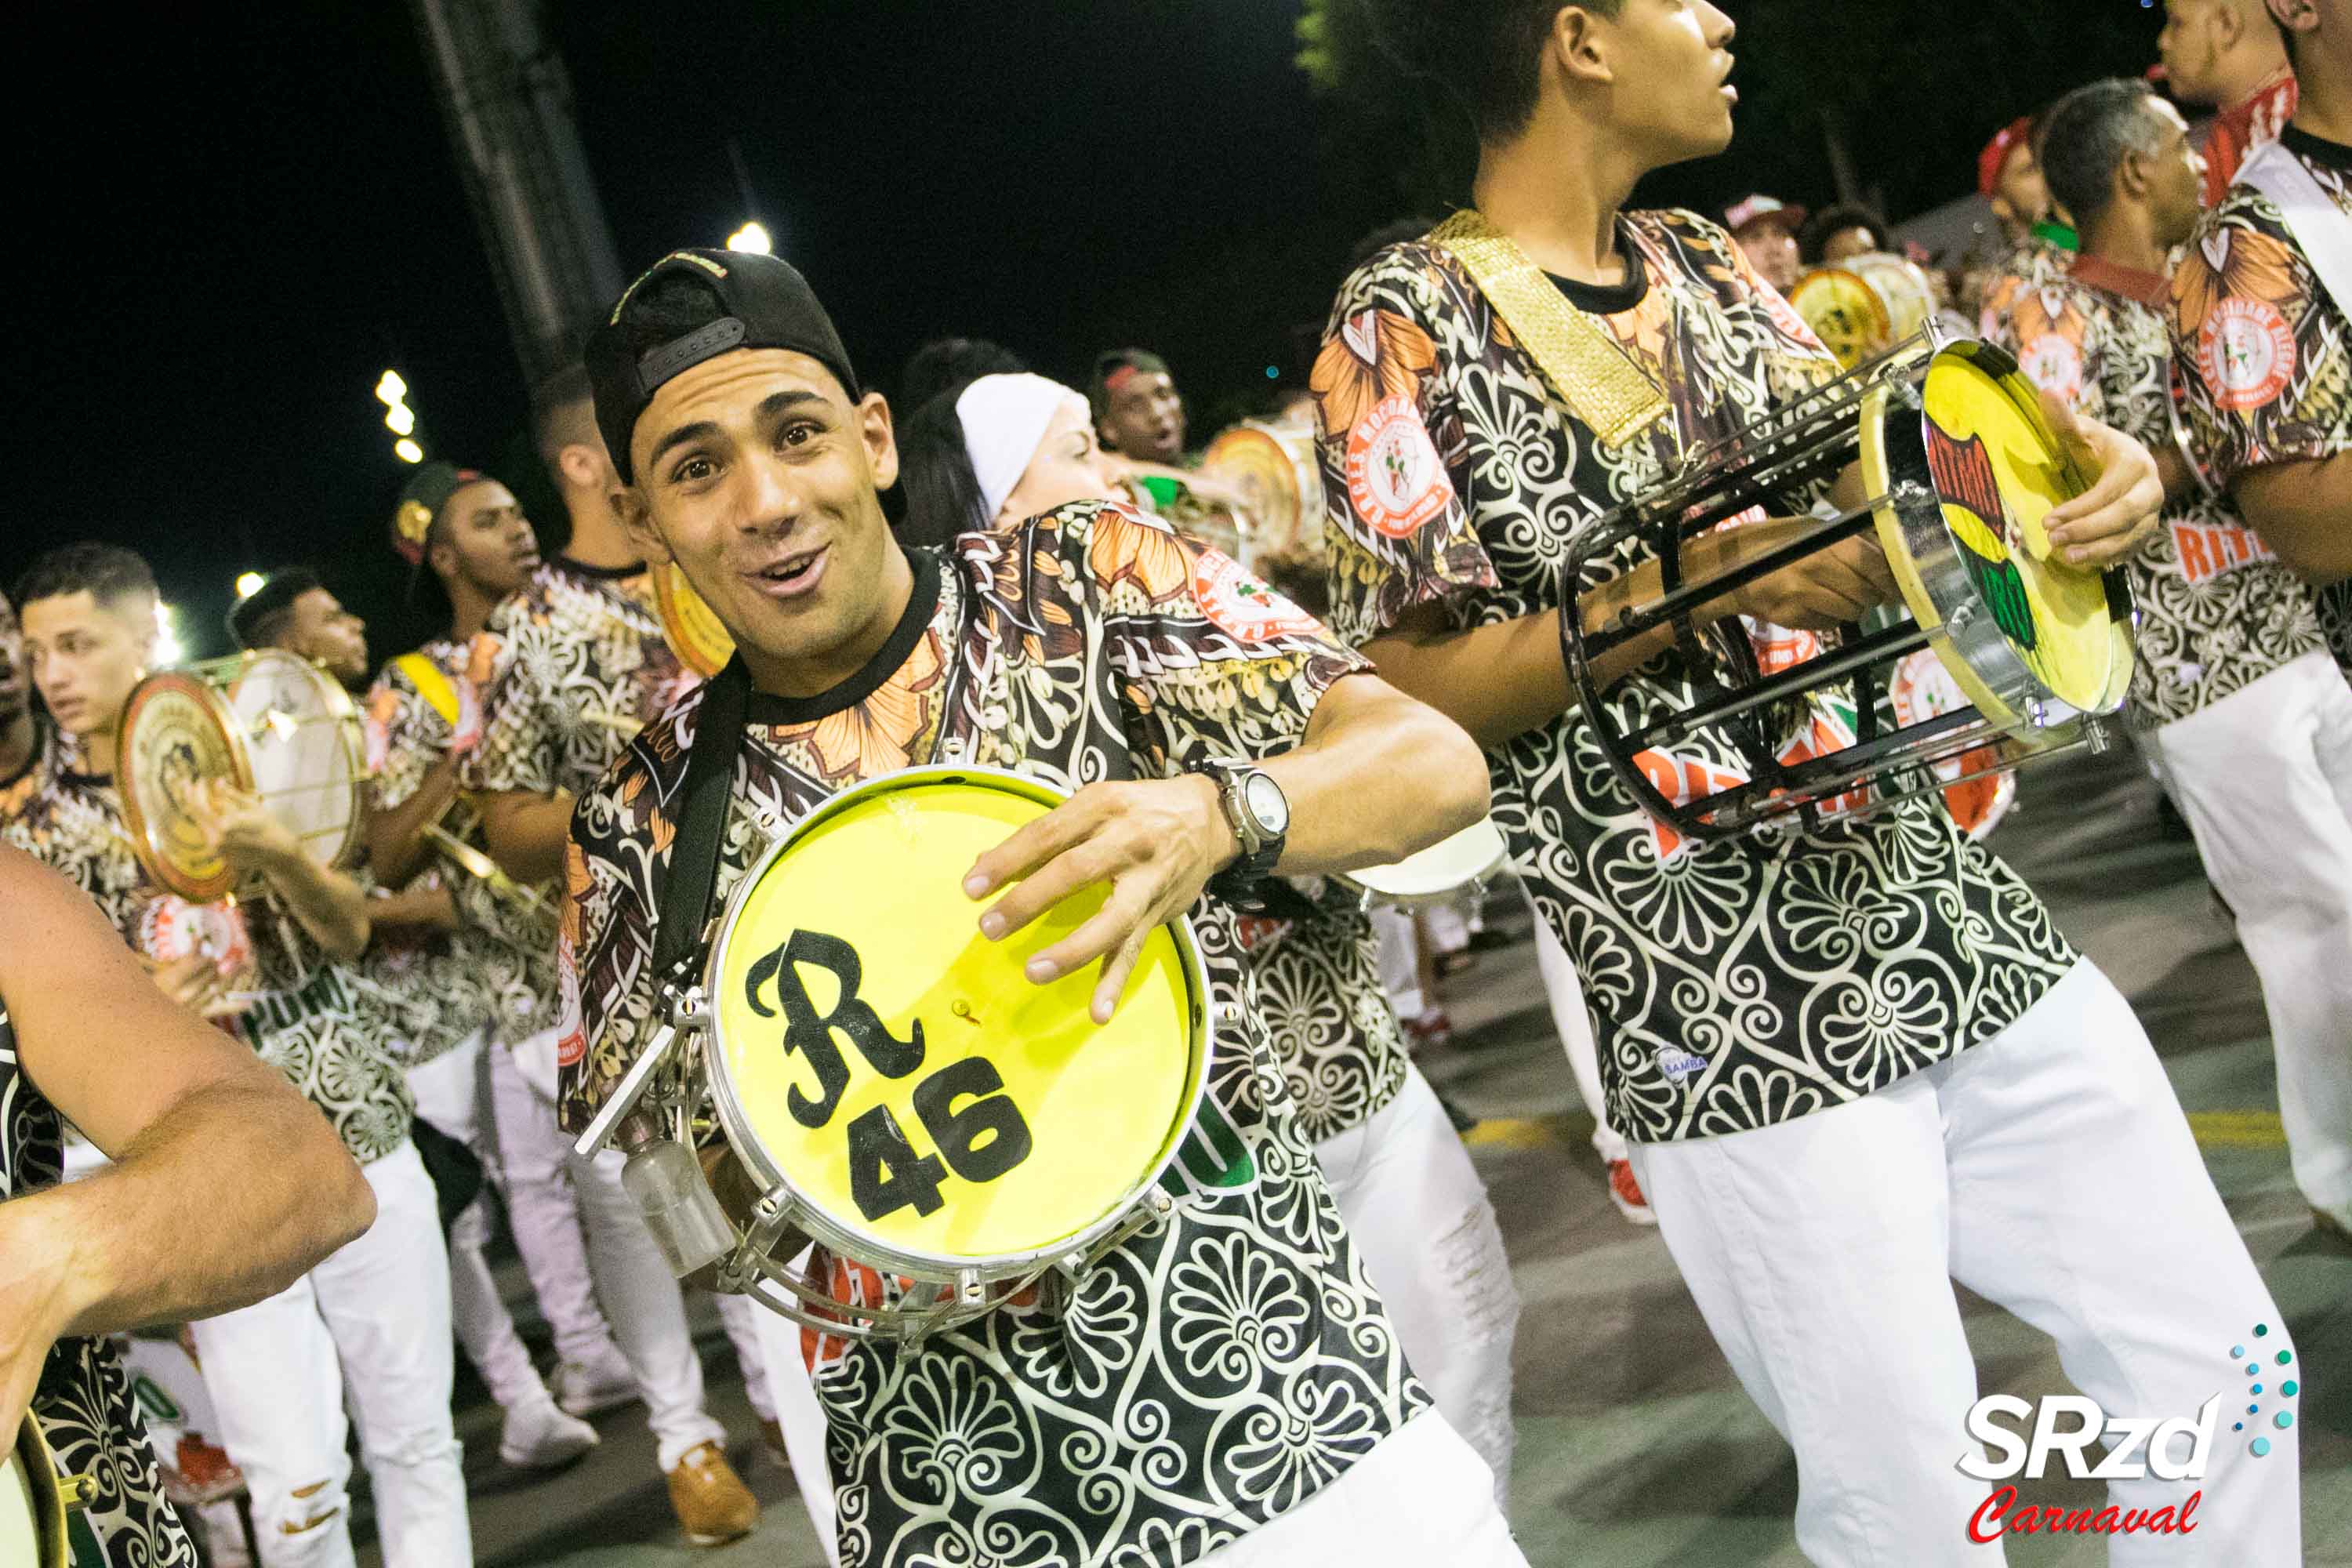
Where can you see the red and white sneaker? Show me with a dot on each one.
(1626, 1193)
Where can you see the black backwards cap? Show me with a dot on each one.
(250, 614)
(753, 301)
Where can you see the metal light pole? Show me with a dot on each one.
(508, 103)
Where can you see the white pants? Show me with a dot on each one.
(544, 1208)
(453, 1093)
(1420, 1217)
(2051, 1170)
(1573, 1023)
(801, 1416)
(740, 1315)
(1420, 1500)
(1400, 949)
(371, 1324)
(639, 1295)
(2264, 777)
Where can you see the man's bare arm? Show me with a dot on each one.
(226, 1187)
(526, 833)
(2304, 512)
(396, 847)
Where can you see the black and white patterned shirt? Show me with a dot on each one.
(1734, 985)
(1205, 1377)
(83, 1401)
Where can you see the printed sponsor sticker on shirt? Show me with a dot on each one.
(2208, 550)
(1394, 476)
(2247, 353)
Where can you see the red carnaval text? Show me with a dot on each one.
(1998, 1515)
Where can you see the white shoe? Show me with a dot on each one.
(586, 1387)
(538, 1436)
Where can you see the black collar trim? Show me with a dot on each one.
(921, 605)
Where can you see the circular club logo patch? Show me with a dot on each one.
(1394, 476)
(2247, 354)
(2054, 365)
(1239, 604)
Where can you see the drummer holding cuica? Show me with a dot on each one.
(1218, 1384)
(1854, 1056)
(375, 1316)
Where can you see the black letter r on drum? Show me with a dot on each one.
(810, 1033)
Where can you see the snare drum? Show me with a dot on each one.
(32, 1504)
(693, 631)
(902, 1092)
(1865, 305)
(1436, 875)
(270, 722)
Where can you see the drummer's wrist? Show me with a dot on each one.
(1222, 844)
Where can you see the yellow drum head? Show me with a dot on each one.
(32, 1511)
(902, 1074)
(694, 633)
(176, 730)
(1845, 311)
(1998, 471)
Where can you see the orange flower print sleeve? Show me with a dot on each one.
(1399, 535)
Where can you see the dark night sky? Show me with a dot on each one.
(241, 222)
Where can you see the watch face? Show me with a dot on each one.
(1266, 803)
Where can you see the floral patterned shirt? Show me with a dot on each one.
(2266, 355)
(1734, 985)
(1204, 1376)
(2237, 131)
(83, 1400)
(25, 782)
(304, 1018)
(581, 668)
(2217, 609)
(1319, 989)
(500, 968)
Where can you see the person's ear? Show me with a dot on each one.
(1578, 46)
(636, 517)
(880, 438)
(581, 465)
(442, 556)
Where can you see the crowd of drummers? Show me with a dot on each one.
(1204, 770)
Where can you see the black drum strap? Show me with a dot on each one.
(701, 818)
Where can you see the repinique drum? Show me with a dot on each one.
(900, 1090)
(1959, 470)
(32, 1503)
(1450, 867)
(689, 625)
(269, 722)
(1865, 305)
(1275, 466)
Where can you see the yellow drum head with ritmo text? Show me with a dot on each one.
(900, 1072)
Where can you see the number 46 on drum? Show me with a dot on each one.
(886, 1175)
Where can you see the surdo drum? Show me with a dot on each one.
(1865, 305)
(899, 1090)
(269, 722)
(1959, 470)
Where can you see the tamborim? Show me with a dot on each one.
(1275, 464)
(1465, 859)
(32, 1503)
(1959, 470)
(271, 724)
(903, 1094)
(1865, 305)
(694, 633)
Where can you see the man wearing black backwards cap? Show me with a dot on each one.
(293, 610)
(1223, 1387)
(572, 666)
(373, 1321)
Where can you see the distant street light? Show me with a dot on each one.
(408, 450)
(249, 584)
(400, 419)
(753, 237)
(390, 388)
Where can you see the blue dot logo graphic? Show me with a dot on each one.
(2261, 1446)
(2282, 1420)
(2290, 1386)
(2260, 1329)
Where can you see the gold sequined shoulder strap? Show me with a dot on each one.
(1588, 373)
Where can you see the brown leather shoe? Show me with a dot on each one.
(771, 1433)
(711, 1502)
